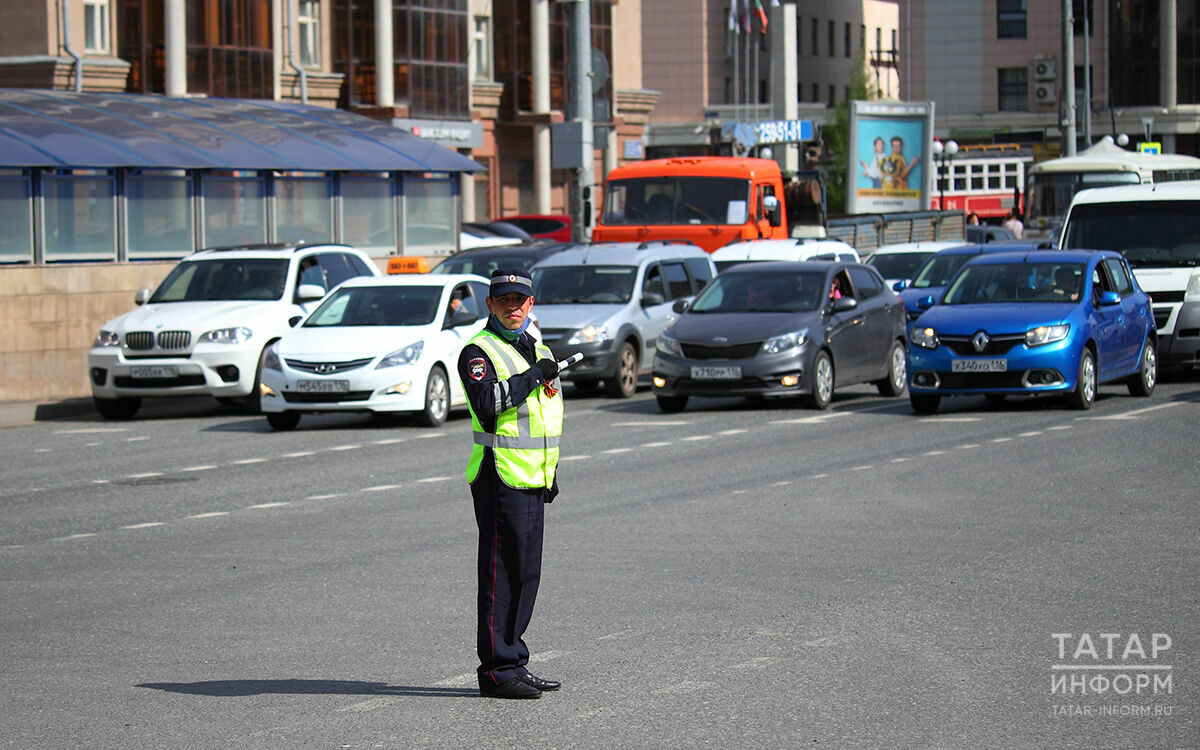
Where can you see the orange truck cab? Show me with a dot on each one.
(709, 201)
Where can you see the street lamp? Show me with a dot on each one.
(944, 153)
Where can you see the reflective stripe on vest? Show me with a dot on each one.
(526, 442)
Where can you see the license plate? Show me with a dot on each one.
(323, 386)
(979, 365)
(716, 373)
(146, 373)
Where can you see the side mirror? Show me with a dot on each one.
(680, 306)
(460, 317)
(771, 206)
(1109, 298)
(309, 292)
(292, 321)
(925, 302)
(650, 299)
(899, 285)
(140, 296)
(845, 304)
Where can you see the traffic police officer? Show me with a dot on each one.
(516, 415)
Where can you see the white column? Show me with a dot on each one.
(1167, 45)
(540, 15)
(784, 98)
(175, 47)
(385, 95)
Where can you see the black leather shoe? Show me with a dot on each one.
(534, 681)
(514, 688)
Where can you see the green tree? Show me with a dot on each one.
(835, 136)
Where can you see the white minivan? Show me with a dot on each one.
(1155, 227)
(750, 251)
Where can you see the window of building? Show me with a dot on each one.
(1083, 92)
(799, 36)
(1081, 10)
(481, 49)
(829, 40)
(303, 207)
(429, 220)
(16, 241)
(308, 31)
(158, 214)
(234, 208)
(1013, 89)
(1010, 19)
(229, 49)
(813, 39)
(79, 218)
(369, 212)
(95, 26)
(816, 93)
(832, 96)
(846, 40)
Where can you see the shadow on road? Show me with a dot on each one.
(243, 688)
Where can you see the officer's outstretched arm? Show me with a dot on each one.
(488, 394)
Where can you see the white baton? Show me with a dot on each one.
(565, 363)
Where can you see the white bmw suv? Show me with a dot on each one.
(204, 330)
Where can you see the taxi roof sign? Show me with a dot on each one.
(407, 264)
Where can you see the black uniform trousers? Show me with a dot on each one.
(510, 568)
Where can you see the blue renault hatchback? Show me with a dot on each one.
(1034, 323)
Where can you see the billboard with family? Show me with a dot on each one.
(889, 157)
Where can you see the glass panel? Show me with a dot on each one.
(303, 211)
(16, 241)
(428, 217)
(80, 217)
(234, 211)
(159, 217)
(369, 215)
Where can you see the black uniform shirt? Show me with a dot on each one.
(489, 396)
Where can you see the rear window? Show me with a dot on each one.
(563, 285)
(898, 265)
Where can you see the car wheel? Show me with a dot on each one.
(117, 408)
(895, 382)
(1084, 394)
(623, 384)
(437, 398)
(1143, 381)
(283, 420)
(254, 399)
(671, 404)
(923, 403)
(821, 391)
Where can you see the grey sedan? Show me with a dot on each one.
(765, 330)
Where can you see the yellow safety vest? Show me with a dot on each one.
(525, 443)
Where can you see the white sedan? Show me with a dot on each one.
(386, 344)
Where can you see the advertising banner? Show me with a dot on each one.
(890, 157)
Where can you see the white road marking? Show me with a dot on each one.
(381, 488)
(901, 460)
(1062, 427)
(731, 432)
(100, 481)
(426, 435)
(91, 430)
(344, 448)
(654, 423)
(818, 476)
(468, 679)
(92, 445)
(214, 514)
(781, 484)
(1031, 433)
(659, 444)
(740, 492)
(968, 446)
(934, 453)
(147, 475)
(818, 419)
(325, 497)
(206, 467)
(427, 480)
(244, 461)
(573, 458)
(1136, 412)
(1001, 440)
(692, 438)
(267, 505)
(617, 450)
(298, 454)
(388, 441)
(41, 450)
(74, 536)
(136, 439)
(144, 525)
(861, 468)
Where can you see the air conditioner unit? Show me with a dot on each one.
(1044, 69)
(1045, 93)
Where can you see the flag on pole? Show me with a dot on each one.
(745, 12)
(762, 15)
(733, 24)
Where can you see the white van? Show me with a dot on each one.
(793, 250)
(1156, 229)
(899, 262)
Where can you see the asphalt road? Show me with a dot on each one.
(736, 575)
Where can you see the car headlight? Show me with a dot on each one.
(405, 356)
(1193, 289)
(271, 358)
(235, 335)
(589, 335)
(668, 345)
(107, 338)
(925, 337)
(785, 341)
(1046, 335)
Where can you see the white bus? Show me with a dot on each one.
(1051, 184)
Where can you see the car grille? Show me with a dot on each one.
(1161, 316)
(737, 351)
(325, 398)
(124, 381)
(955, 380)
(144, 340)
(717, 386)
(999, 344)
(1172, 296)
(327, 368)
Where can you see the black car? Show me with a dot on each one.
(483, 260)
(784, 329)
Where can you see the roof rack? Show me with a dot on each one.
(250, 246)
(652, 243)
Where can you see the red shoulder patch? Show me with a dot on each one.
(477, 368)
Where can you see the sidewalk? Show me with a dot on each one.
(16, 413)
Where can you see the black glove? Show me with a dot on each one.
(549, 495)
(548, 368)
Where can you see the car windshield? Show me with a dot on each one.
(378, 306)
(987, 283)
(756, 291)
(938, 270)
(223, 279)
(898, 265)
(562, 285)
(676, 200)
(1149, 233)
(483, 265)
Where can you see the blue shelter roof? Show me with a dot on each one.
(50, 128)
